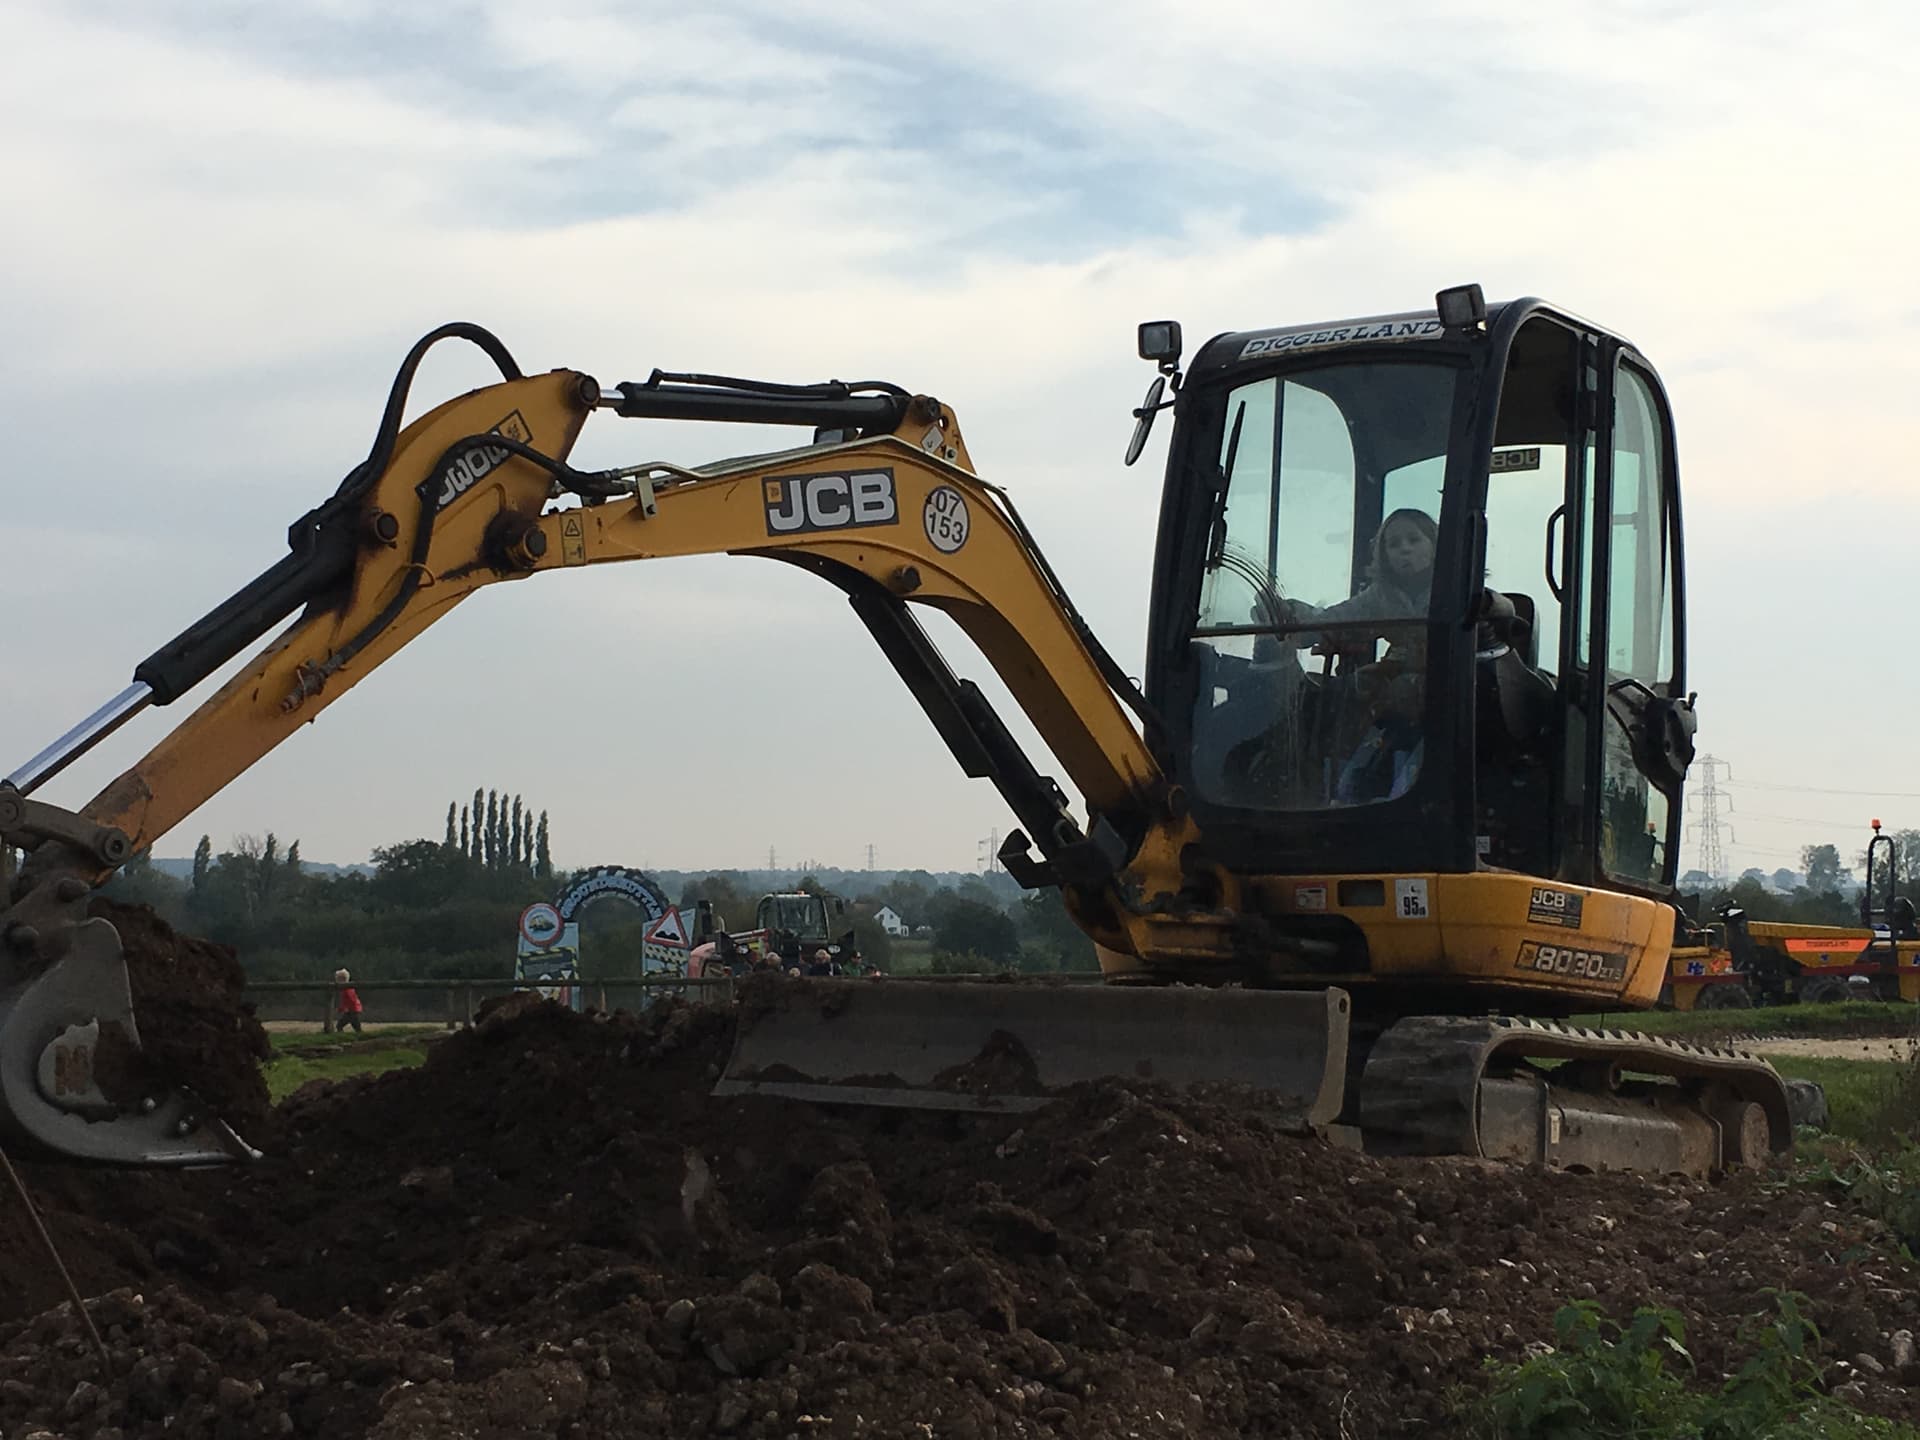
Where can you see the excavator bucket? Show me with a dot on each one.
(1014, 1046)
(73, 1078)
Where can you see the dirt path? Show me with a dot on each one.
(1848, 1048)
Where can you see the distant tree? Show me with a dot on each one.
(139, 883)
(1822, 864)
(489, 855)
(266, 871)
(976, 888)
(962, 926)
(1804, 906)
(732, 905)
(450, 830)
(202, 864)
(1906, 852)
(1046, 927)
(466, 843)
(516, 842)
(415, 874)
(875, 945)
(542, 851)
(293, 858)
(1905, 872)
(479, 851)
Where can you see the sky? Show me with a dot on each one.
(226, 222)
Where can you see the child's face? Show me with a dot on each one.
(1409, 552)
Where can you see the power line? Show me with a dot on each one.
(1817, 790)
(1795, 819)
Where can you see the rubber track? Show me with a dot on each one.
(1422, 1079)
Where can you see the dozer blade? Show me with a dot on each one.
(72, 1074)
(1012, 1046)
(1606, 1099)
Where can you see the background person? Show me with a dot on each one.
(346, 1003)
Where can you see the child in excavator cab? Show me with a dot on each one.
(1386, 761)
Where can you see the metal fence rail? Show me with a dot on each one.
(453, 1001)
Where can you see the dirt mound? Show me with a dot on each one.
(551, 1228)
(196, 1029)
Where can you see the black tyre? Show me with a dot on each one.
(1728, 995)
(1823, 990)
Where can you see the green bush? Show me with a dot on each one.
(1606, 1381)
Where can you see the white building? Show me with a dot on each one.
(890, 920)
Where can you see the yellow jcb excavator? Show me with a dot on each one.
(1408, 751)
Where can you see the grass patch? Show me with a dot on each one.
(1861, 1094)
(374, 1037)
(298, 1058)
(1847, 1017)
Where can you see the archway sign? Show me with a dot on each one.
(548, 954)
(634, 886)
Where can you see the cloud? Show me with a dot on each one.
(237, 220)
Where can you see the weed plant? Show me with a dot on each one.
(1607, 1381)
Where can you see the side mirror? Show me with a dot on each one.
(1143, 417)
(1659, 730)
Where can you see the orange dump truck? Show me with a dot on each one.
(1742, 962)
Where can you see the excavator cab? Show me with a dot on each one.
(1417, 614)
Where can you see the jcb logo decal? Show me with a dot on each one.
(1555, 907)
(467, 469)
(835, 501)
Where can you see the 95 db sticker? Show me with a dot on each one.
(1599, 967)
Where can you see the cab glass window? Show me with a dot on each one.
(1640, 605)
(1311, 625)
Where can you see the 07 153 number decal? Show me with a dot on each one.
(946, 519)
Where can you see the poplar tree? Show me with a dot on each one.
(202, 866)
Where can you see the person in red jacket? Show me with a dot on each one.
(346, 1003)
